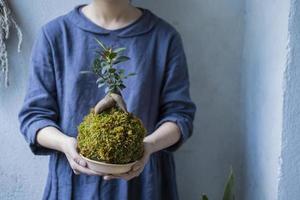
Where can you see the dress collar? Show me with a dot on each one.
(140, 26)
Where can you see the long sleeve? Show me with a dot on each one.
(175, 102)
(40, 107)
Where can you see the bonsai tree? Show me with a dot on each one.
(109, 133)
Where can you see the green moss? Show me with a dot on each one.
(112, 136)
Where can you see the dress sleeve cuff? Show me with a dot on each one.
(184, 132)
(33, 129)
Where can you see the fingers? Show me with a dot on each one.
(109, 101)
(76, 172)
(119, 100)
(142, 162)
(79, 166)
(77, 159)
(104, 104)
(79, 169)
(127, 176)
(137, 166)
(135, 171)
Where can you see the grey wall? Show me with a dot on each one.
(264, 62)
(213, 32)
(22, 176)
(213, 36)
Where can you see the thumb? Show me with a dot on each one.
(119, 100)
(77, 158)
(104, 104)
(80, 161)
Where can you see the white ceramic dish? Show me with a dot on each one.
(107, 168)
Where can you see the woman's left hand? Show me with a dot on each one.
(137, 168)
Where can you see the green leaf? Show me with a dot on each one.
(117, 76)
(122, 76)
(97, 66)
(121, 71)
(86, 72)
(104, 64)
(100, 80)
(118, 50)
(101, 85)
(112, 70)
(120, 59)
(97, 62)
(100, 44)
(122, 86)
(131, 74)
(204, 197)
(229, 187)
(112, 55)
(105, 69)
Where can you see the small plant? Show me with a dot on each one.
(228, 190)
(112, 136)
(103, 67)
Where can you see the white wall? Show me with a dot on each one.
(289, 187)
(265, 59)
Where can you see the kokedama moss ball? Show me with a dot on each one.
(112, 136)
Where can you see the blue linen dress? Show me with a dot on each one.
(58, 95)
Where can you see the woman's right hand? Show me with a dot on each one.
(77, 164)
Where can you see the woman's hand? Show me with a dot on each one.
(138, 167)
(109, 101)
(52, 138)
(77, 164)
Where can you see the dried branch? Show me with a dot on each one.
(6, 20)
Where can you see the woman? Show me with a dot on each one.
(58, 97)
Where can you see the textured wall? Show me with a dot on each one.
(265, 58)
(289, 187)
(212, 31)
(22, 176)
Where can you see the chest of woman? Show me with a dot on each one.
(77, 92)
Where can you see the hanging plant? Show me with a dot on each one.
(6, 21)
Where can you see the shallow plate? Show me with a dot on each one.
(107, 168)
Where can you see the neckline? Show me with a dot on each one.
(79, 10)
(142, 25)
